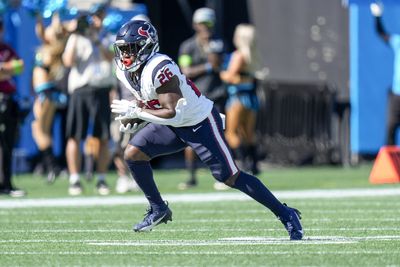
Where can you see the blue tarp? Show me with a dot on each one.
(371, 72)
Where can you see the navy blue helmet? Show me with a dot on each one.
(136, 42)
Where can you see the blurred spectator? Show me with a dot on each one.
(200, 59)
(48, 79)
(10, 65)
(393, 40)
(92, 143)
(242, 104)
(89, 83)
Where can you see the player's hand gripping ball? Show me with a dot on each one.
(125, 109)
(125, 122)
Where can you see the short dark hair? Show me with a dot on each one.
(82, 23)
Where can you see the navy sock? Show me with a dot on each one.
(143, 175)
(191, 166)
(253, 187)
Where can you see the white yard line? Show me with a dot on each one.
(199, 197)
(194, 221)
(227, 240)
(235, 241)
(203, 229)
(313, 240)
(248, 241)
(221, 243)
(211, 253)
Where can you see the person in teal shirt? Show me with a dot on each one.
(242, 104)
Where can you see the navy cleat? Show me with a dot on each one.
(153, 219)
(292, 224)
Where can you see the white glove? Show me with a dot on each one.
(131, 129)
(376, 9)
(125, 109)
(128, 128)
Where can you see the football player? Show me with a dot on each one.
(176, 115)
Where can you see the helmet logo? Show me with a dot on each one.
(143, 32)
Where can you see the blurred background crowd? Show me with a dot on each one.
(314, 91)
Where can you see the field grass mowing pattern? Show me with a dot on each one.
(340, 232)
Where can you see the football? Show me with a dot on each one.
(131, 121)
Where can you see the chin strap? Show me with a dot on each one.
(175, 121)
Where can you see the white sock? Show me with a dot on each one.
(74, 178)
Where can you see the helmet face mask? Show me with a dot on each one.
(126, 55)
(136, 43)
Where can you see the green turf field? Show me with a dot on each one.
(339, 231)
(275, 178)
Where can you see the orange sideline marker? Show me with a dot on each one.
(386, 168)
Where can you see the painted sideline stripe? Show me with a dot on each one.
(195, 221)
(312, 240)
(225, 239)
(179, 253)
(198, 197)
(198, 230)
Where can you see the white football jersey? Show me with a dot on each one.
(158, 70)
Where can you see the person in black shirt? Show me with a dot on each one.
(10, 65)
(200, 58)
